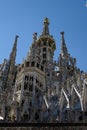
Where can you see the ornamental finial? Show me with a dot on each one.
(46, 28)
(46, 21)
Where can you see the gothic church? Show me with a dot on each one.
(40, 89)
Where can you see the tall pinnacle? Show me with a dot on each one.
(46, 28)
(63, 45)
(14, 49)
(15, 43)
(11, 65)
(34, 37)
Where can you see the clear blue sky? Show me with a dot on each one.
(24, 17)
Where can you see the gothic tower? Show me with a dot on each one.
(31, 83)
(41, 89)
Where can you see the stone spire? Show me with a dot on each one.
(34, 37)
(46, 28)
(12, 58)
(63, 45)
(14, 49)
(9, 67)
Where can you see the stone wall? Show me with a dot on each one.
(46, 128)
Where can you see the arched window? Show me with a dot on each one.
(25, 86)
(25, 117)
(44, 43)
(27, 64)
(31, 87)
(44, 56)
(44, 49)
(37, 65)
(41, 67)
(26, 77)
(36, 116)
(32, 64)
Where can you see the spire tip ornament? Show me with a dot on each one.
(62, 33)
(46, 20)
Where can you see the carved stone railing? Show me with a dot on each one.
(43, 126)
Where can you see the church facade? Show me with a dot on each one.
(41, 90)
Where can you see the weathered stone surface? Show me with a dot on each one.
(40, 89)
